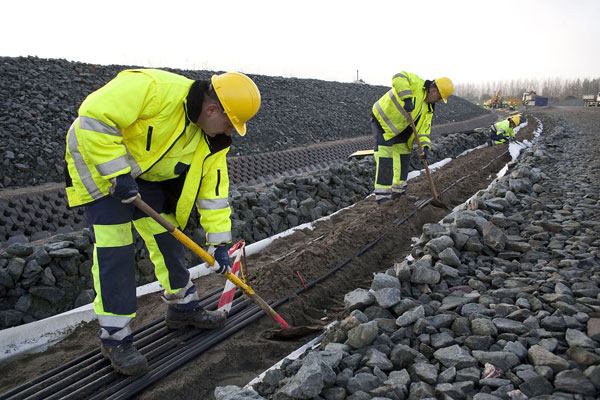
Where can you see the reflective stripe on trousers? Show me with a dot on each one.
(392, 160)
(114, 253)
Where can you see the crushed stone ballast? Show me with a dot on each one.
(91, 376)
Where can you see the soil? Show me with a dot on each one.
(309, 253)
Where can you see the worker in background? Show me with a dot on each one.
(165, 137)
(392, 131)
(503, 131)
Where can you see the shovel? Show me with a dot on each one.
(436, 202)
(286, 332)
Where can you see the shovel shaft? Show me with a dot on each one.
(420, 147)
(190, 244)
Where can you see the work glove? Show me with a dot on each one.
(222, 262)
(425, 154)
(408, 105)
(124, 188)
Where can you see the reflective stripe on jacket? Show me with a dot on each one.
(390, 117)
(503, 128)
(137, 123)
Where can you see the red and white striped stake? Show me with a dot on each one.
(226, 299)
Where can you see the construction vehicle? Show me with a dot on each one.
(529, 98)
(496, 101)
(591, 100)
(532, 99)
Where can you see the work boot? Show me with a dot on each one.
(198, 318)
(125, 358)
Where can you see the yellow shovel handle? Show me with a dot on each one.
(189, 243)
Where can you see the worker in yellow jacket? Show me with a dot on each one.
(392, 131)
(503, 131)
(165, 137)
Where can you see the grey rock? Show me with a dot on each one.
(517, 349)
(501, 359)
(439, 244)
(448, 390)
(388, 297)
(421, 390)
(455, 356)
(358, 299)
(539, 356)
(484, 327)
(375, 358)
(232, 392)
(362, 382)
(362, 335)
(574, 381)
(593, 374)
(579, 339)
(425, 372)
(398, 378)
(553, 323)
(49, 293)
(410, 316)
(448, 256)
(381, 281)
(447, 376)
(471, 374)
(493, 237)
(536, 386)
(425, 275)
(509, 326)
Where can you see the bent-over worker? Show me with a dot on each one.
(393, 133)
(503, 131)
(165, 137)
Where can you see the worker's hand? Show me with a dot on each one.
(512, 139)
(222, 262)
(124, 188)
(424, 156)
(408, 105)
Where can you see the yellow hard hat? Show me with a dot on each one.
(239, 97)
(516, 120)
(445, 87)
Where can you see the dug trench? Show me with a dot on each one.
(280, 269)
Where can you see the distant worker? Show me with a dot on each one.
(392, 131)
(503, 131)
(165, 137)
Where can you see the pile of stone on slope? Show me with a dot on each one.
(39, 99)
(500, 301)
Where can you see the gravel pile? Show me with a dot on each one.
(500, 300)
(39, 99)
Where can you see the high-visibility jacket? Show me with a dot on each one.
(390, 117)
(503, 128)
(138, 123)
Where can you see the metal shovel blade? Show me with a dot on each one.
(437, 203)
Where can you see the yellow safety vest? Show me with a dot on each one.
(503, 128)
(387, 108)
(137, 123)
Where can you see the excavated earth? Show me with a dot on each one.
(275, 273)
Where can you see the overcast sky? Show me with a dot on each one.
(468, 41)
